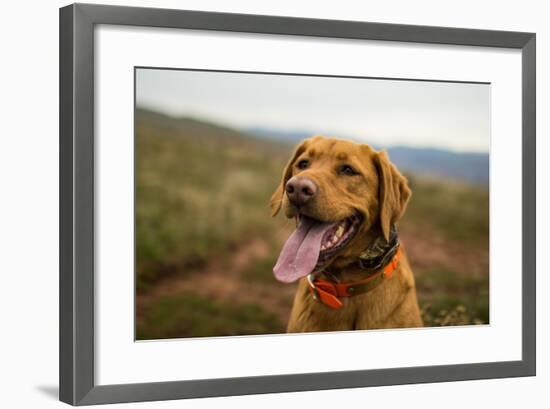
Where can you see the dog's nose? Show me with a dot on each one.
(300, 190)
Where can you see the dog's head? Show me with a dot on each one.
(339, 191)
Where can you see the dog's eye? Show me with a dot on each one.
(348, 170)
(303, 164)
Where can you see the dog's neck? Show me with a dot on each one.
(377, 253)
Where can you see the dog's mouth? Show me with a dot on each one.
(312, 245)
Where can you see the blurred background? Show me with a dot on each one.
(210, 150)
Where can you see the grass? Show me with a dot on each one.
(451, 298)
(261, 271)
(458, 210)
(191, 315)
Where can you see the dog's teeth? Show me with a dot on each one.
(323, 247)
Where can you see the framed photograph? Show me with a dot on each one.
(258, 204)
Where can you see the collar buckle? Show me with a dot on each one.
(326, 293)
(314, 291)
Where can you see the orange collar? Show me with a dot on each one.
(328, 292)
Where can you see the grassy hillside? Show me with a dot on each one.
(200, 190)
(205, 242)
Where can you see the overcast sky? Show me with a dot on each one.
(382, 112)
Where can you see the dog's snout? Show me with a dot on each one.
(300, 190)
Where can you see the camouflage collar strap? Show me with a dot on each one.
(380, 252)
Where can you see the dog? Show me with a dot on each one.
(353, 272)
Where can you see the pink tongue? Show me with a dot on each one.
(301, 251)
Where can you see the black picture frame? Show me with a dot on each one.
(76, 29)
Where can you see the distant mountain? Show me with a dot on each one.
(469, 167)
(465, 166)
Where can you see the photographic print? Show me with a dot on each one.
(268, 203)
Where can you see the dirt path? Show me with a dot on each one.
(222, 281)
(428, 250)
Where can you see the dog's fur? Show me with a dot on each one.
(379, 192)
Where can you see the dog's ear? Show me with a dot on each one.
(277, 197)
(394, 192)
